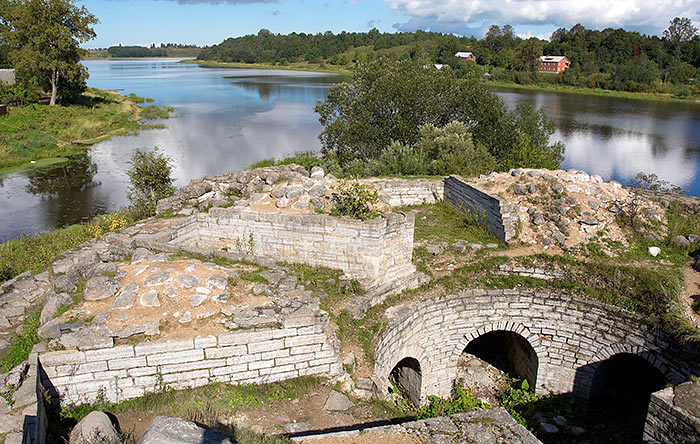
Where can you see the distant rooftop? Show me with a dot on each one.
(552, 58)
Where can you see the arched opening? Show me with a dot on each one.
(508, 352)
(407, 377)
(621, 390)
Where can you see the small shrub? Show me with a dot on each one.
(355, 200)
(151, 180)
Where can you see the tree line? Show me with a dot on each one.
(611, 58)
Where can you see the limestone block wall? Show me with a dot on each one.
(399, 192)
(497, 216)
(302, 346)
(374, 252)
(673, 415)
(570, 335)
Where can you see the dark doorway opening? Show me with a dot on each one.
(508, 352)
(408, 378)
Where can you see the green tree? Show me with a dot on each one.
(681, 29)
(47, 35)
(389, 101)
(151, 180)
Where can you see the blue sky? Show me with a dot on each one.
(206, 22)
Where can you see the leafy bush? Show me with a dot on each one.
(150, 176)
(450, 149)
(355, 200)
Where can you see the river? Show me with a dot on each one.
(227, 119)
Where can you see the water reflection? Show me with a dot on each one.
(618, 138)
(74, 176)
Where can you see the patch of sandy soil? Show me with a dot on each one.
(691, 293)
(173, 299)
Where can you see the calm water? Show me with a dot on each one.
(228, 119)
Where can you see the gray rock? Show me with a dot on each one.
(96, 427)
(170, 292)
(318, 203)
(50, 330)
(125, 300)
(295, 427)
(561, 209)
(196, 299)
(11, 423)
(133, 287)
(537, 219)
(101, 318)
(337, 402)
(14, 437)
(434, 249)
(4, 322)
(491, 245)
(549, 428)
(160, 257)
(140, 254)
(593, 205)
(150, 299)
(121, 317)
(560, 421)
(260, 289)
(558, 188)
(317, 173)
(66, 282)
(160, 278)
(474, 247)
(100, 287)
(680, 241)
(317, 190)
(577, 431)
(278, 192)
(519, 189)
(294, 192)
(283, 202)
(531, 188)
(459, 247)
(217, 281)
(531, 210)
(223, 297)
(588, 221)
(300, 205)
(559, 238)
(188, 280)
(517, 172)
(166, 430)
(574, 189)
(256, 198)
(53, 303)
(534, 173)
(693, 238)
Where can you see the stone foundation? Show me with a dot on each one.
(303, 345)
(373, 252)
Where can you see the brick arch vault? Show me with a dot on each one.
(571, 337)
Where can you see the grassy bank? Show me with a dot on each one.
(294, 66)
(35, 133)
(596, 92)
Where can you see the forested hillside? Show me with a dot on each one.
(612, 58)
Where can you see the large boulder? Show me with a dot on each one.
(166, 430)
(95, 428)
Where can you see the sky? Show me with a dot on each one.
(207, 22)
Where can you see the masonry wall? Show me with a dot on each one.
(570, 336)
(497, 216)
(400, 192)
(373, 252)
(302, 346)
(668, 423)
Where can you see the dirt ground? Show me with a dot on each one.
(271, 418)
(692, 292)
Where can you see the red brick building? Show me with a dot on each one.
(466, 56)
(554, 64)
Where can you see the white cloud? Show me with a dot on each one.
(448, 15)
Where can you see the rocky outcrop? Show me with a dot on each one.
(166, 430)
(96, 427)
